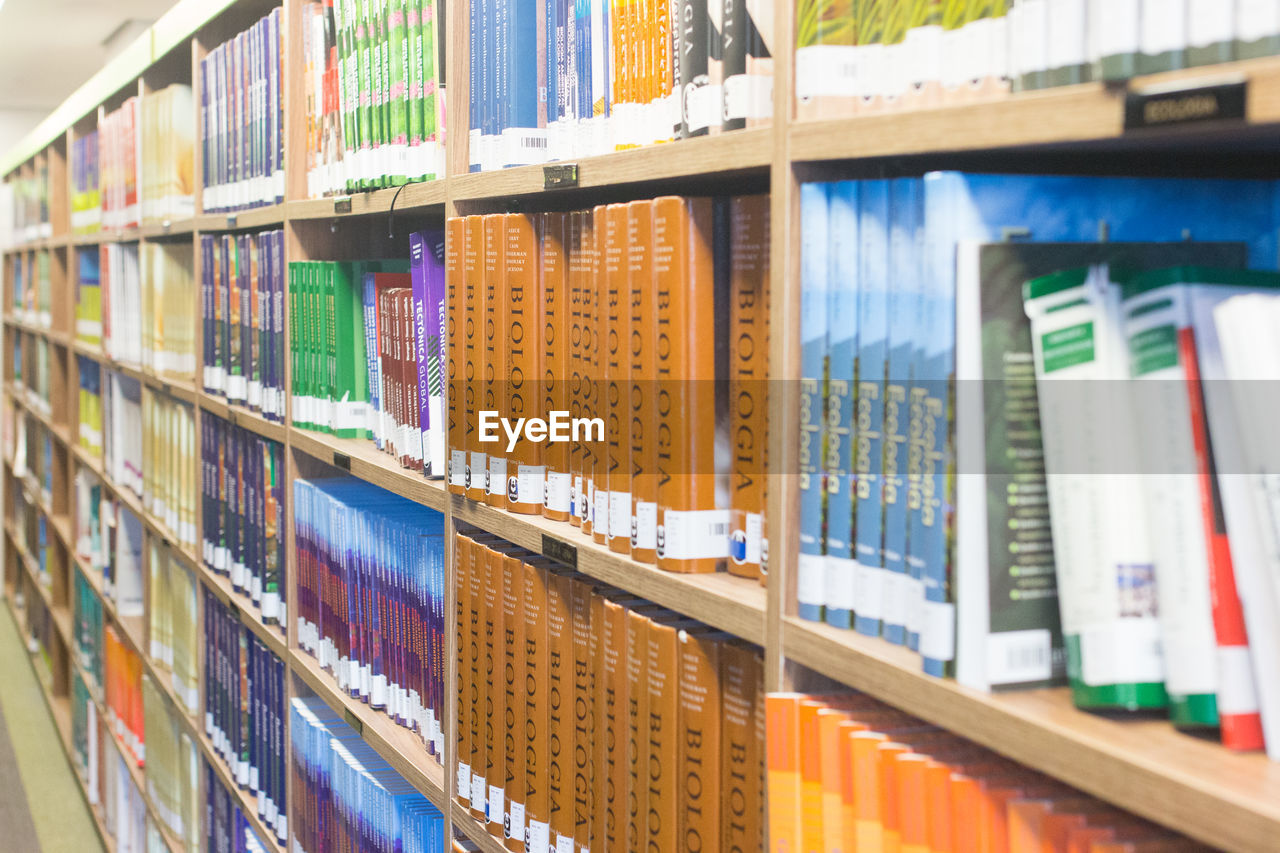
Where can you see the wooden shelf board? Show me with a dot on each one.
(476, 832)
(726, 154)
(59, 613)
(250, 616)
(241, 417)
(20, 395)
(399, 747)
(52, 335)
(733, 604)
(179, 389)
(363, 459)
(167, 228)
(57, 241)
(412, 197)
(239, 220)
(1226, 799)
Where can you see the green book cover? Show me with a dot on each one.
(397, 53)
(378, 55)
(431, 101)
(351, 382)
(364, 48)
(295, 332)
(348, 87)
(414, 31)
(316, 390)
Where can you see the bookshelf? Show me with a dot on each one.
(1191, 785)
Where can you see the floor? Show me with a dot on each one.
(42, 807)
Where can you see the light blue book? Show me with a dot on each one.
(813, 357)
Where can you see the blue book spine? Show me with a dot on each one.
(475, 94)
(526, 144)
(916, 265)
(550, 58)
(813, 359)
(873, 333)
(494, 35)
(842, 313)
(902, 311)
(207, 295)
(584, 71)
(372, 365)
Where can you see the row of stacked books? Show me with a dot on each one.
(89, 409)
(227, 830)
(642, 319)
(346, 797)
(89, 530)
(122, 694)
(913, 317)
(122, 431)
(847, 772)
(244, 711)
(169, 464)
(32, 374)
(173, 782)
(33, 532)
(121, 560)
(550, 81)
(242, 299)
(242, 501)
(167, 171)
(146, 297)
(381, 379)
(374, 83)
(33, 289)
(865, 58)
(242, 118)
(86, 623)
(88, 320)
(31, 203)
(86, 751)
(371, 597)
(119, 165)
(590, 718)
(173, 622)
(86, 197)
(123, 806)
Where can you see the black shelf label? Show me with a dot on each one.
(342, 204)
(341, 460)
(560, 551)
(1195, 104)
(353, 721)
(559, 176)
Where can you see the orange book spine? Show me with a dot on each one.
(811, 800)
(637, 717)
(494, 696)
(455, 321)
(536, 719)
(661, 792)
(743, 750)
(579, 267)
(610, 712)
(599, 485)
(692, 523)
(513, 706)
(829, 774)
(462, 584)
(473, 355)
(595, 650)
(912, 772)
(617, 379)
(495, 355)
(559, 701)
(477, 682)
(523, 489)
(643, 414)
(782, 711)
(748, 382)
(554, 337)
(699, 741)
(584, 722)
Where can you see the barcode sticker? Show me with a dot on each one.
(515, 821)
(538, 838)
(458, 468)
(938, 630)
(497, 482)
(839, 584)
(556, 497)
(694, 534)
(478, 787)
(464, 777)
(1016, 657)
(868, 592)
(825, 70)
(646, 525)
(619, 514)
(1121, 652)
(530, 484)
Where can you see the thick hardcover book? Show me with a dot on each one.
(642, 306)
(495, 350)
(578, 281)
(537, 719)
(693, 513)
(455, 249)
(559, 695)
(698, 771)
(748, 378)
(664, 791)
(743, 747)
(581, 596)
(598, 485)
(473, 351)
(462, 568)
(523, 491)
(513, 723)
(636, 731)
(617, 378)
(811, 566)
(555, 380)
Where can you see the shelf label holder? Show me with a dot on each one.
(342, 460)
(342, 204)
(1217, 99)
(560, 551)
(559, 176)
(353, 721)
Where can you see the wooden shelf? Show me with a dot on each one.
(60, 614)
(242, 417)
(476, 832)
(57, 241)
(363, 459)
(1226, 799)
(20, 395)
(254, 217)
(248, 613)
(410, 197)
(726, 155)
(179, 389)
(399, 747)
(733, 604)
(54, 336)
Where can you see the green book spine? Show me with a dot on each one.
(377, 36)
(384, 58)
(351, 386)
(363, 46)
(414, 64)
(432, 121)
(315, 386)
(329, 340)
(398, 91)
(348, 88)
(295, 331)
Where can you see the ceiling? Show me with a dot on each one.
(49, 47)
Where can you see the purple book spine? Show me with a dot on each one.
(418, 278)
(432, 391)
